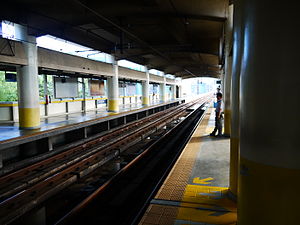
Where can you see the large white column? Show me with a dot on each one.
(232, 102)
(173, 92)
(46, 96)
(238, 49)
(83, 95)
(179, 91)
(162, 90)
(145, 88)
(269, 181)
(113, 89)
(28, 85)
(228, 71)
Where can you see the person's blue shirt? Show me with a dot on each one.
(220, 106)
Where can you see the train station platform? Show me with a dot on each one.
(196, 190)
(11, 130)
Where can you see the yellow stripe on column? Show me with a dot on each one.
(234, 163)
(113, 105)
(227, 122)
(268, 195)
(145, 100)
(29, 117)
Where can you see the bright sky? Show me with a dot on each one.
(61, 45)
(188, 83)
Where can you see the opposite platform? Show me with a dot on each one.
(12, 131)
(63, 132)
(196, 190)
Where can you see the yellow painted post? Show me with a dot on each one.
(227, 122)
(234, 166)
(145, 89)
(113, 89)
(113, 105)
(27, 78)
(145, 101)
(29, 118)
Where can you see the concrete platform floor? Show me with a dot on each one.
(196, 190)
(11, 130)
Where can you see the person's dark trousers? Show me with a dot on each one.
(218, 126)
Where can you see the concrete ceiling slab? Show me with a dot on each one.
(151, 32)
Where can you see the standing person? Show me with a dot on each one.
(219, 116)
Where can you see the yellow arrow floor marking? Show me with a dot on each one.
(197, 180)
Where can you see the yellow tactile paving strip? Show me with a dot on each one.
(175, 184)
(157, 214)
(180, 203)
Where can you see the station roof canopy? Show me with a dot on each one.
(180, 37)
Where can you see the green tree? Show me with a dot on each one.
(41, 87)
(8, 90)
(50, 86)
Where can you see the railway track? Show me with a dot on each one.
(123, 199)
(24, 189)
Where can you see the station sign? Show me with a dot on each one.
(10, 77)
(97, 88)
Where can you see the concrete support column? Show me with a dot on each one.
(173, 92)
(228, 71)
(222, 78)
(269, 132)
(83, 106)
(145, 89)
(46, 94)
(227, 95)
(162, 90)
(28, 85)
(179, 91)
(235, 104)
(113, 89)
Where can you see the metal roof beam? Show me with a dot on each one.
(175, 15)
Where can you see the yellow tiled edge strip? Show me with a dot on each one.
(196, 203)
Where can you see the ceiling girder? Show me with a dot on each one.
(175, 15)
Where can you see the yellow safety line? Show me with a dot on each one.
(197, 202)
(197, 198)
(8, 105)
